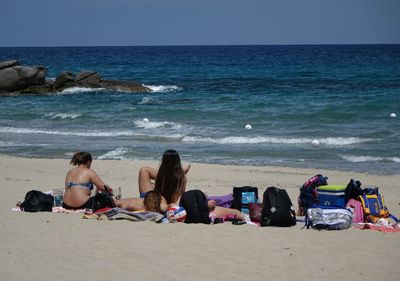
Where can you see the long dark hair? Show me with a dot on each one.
(169, 180)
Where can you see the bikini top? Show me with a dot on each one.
(87, 185)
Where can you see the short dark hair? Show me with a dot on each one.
(80, 158)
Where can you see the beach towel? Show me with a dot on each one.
(222, 200)
(122, 214)
(380, 228)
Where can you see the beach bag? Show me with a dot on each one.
(255, 212)
(37, 201)
(277, 209)
(356, 208)
(243, 196)
(332, 195)
(374, 207)
(103, 200)
(328, 218)
(353, 190)
(196, 206)
(308, 193)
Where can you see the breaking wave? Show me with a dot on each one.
(276, 140)
(146, 124)
(360, 159)
(76, 90)
(63, 115)
(116, 154)
(84, 133)
(163, 88)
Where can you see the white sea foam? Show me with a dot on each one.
(12, 144)
(63, 115)
(163, 88)
(254, 140)
(147, 100)
(146, 124)
(116, 154)
(76, 90)
(359, 159)
(89, 133)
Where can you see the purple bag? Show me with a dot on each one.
(222, 200)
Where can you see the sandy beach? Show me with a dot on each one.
(51, 246)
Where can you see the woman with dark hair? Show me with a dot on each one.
(170, 182)
(170, 178)
(81, 180)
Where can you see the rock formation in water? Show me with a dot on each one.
(18, 79)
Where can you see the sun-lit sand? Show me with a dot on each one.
(51, 246)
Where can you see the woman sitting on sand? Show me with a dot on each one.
(170, 181)
(80, 181)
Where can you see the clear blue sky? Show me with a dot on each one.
(200, 22)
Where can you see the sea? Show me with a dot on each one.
(310, 106)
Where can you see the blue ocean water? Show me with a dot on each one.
(308, 106)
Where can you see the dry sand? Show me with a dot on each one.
(51, 246)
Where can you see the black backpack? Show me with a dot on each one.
(243, 196)
(37, 201)
(277, 209)
(353, 190)
(103, 200)
(196, 206)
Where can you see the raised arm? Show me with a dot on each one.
(146, 175)
(96, 180)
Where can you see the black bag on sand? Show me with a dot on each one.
(353, 190)
(243, 196)
(103, 200)
(196, 206)
(37, 201)
(277, 209)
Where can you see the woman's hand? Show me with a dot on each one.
(108, 189)
(186, 169)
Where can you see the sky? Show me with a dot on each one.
(201, 22)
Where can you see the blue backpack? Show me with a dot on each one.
(308, 193)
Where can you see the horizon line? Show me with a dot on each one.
(205, 45)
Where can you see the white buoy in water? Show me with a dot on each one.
(393, 115)
(248, 127)
(145, 120)
(315, 142)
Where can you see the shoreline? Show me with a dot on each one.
(54, 246)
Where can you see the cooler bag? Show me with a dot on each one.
(332, 195)
(328, 217)
(243, 196)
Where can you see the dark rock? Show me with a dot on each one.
(87, 76)
(8, 63)
(20, 77)
(39, 89)
(16, 79)
(124, 86)
(63, 78)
